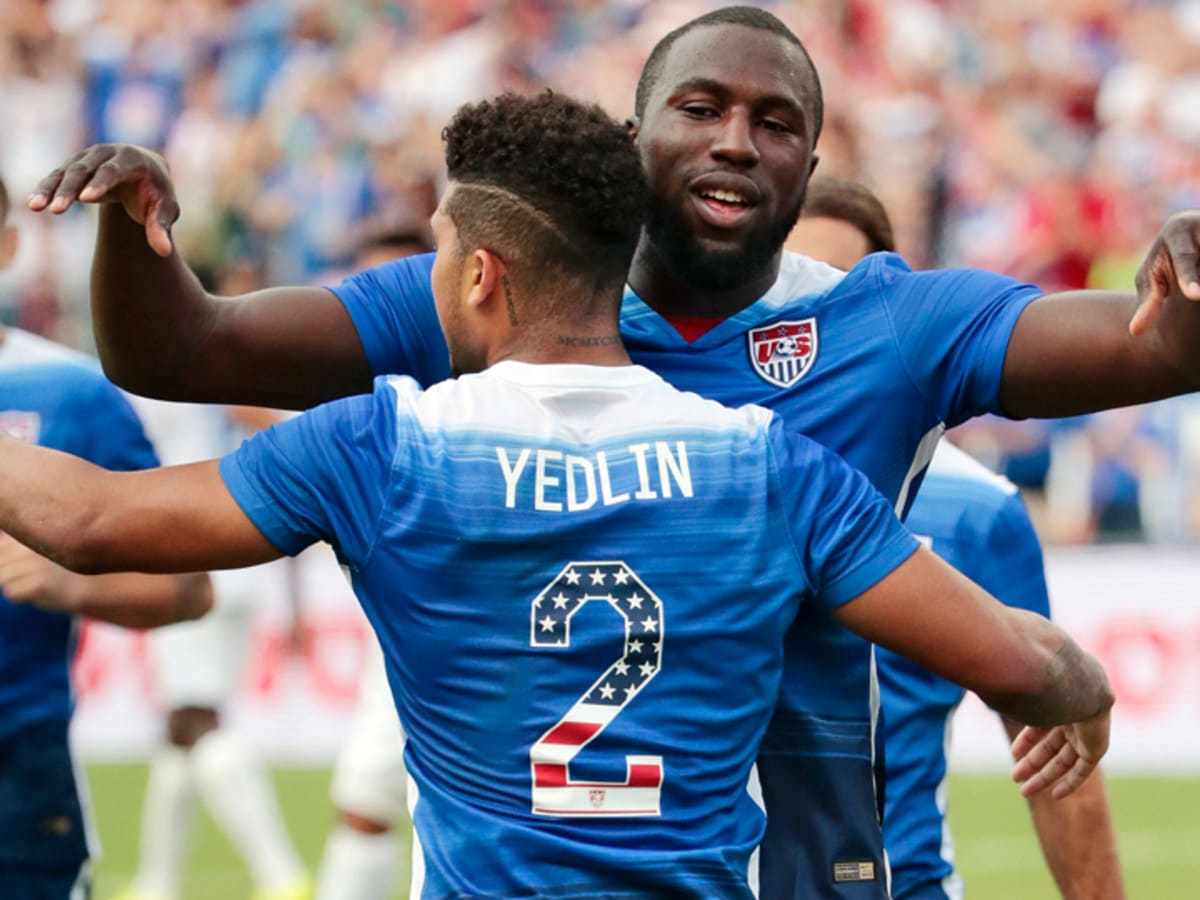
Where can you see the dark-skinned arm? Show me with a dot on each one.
(1077, 838)
(1021, 664)
(1082, 351)
(93, 521)
(161, 334)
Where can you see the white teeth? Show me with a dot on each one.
(726, 197)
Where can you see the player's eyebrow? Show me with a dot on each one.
(722, 91)
(705, 85)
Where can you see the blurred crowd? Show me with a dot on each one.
(1046, 139)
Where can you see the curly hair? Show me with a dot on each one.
(746, 16)
(848, 201)
(550, 182)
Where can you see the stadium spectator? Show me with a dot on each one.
(54, 398)
(727, 114)
(536, 231)
(976, 521)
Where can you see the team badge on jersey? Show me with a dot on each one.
(783, 353)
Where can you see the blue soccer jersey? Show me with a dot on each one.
(580, 578)
(976, 521)
(55, 398)
(873, 364)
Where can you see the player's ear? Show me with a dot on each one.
(485, 270)
(812, 165)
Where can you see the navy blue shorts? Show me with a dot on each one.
(823, 840)
(45, 846)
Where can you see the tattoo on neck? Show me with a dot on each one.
(508, 300)
(604, 340)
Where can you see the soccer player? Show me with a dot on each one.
(197, 667)
(976, 521)
(56, 398)
(559, 745)
(874, 364)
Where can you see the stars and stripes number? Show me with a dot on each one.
(555, 793)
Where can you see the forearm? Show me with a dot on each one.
(50, 501)
(1077, 838)
(135, 600)
(92, 521)
(150, 313)
(1064, 685)
(1071, 353)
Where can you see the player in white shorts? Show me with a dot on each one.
(198, 667)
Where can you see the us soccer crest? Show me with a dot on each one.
(783, 353)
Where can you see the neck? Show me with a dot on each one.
(575, 343)
(669, 294)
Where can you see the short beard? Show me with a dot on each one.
(715, 270)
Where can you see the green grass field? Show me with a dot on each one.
(1159, 834)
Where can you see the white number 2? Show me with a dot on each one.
(554, 792)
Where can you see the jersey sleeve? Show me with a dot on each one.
(952, 328)
(1009, 563)
(115, 439)
(320, 476)
(847, 537)
(393, 311)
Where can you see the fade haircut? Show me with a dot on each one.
(553, 186)
(746, 16)
(851, 202)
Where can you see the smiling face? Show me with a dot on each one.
(727, 141)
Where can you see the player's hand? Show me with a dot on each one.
(133, 176)
(26, 577)
(1170, 267)
(1060, 758)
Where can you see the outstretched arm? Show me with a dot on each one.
(1082, 351)
(1019, 663)
(1077, 838)
(90, 520)
(161, 334)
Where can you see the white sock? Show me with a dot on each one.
(166, 822)
(238, 794)
(358, 866)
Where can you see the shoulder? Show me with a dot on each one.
(397, 277)
(801, 280)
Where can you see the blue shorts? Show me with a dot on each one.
(823, 840)
(45, 846)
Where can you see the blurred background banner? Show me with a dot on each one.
(1136, 609)
(296, 691)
